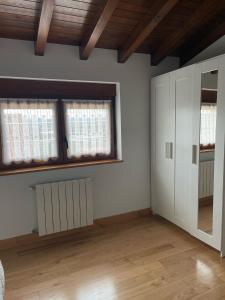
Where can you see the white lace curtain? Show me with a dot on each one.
(29, 130)
(88, 126)
(208, 124)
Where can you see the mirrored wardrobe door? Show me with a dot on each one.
(207, 143)
(205, 149)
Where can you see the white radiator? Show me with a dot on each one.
(64, 205)
(206, 179)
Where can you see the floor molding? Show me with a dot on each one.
(34, 240)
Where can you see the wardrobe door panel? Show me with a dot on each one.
(207, 218)
(163, 108)
(183, 94)
(220, 156)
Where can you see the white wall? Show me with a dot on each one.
(209, 81)
(206, 156)
(118, 188)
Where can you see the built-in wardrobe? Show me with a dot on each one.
(187, 149)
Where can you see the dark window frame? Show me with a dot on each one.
(62, 160)
(83, 158)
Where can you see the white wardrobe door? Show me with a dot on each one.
(182, 91)
(163, 137)
(213, 239)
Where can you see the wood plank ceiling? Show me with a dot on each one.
(180, 28)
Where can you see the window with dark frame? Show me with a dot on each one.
(28, 131)
(45, 132)
(88, 128)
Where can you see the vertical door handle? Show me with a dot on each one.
(194, 154)
(169, 150)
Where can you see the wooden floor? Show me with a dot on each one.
(205, 218)
(147, 258)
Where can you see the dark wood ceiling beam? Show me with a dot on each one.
(192, 49)
(91, 41)
(144, 30)
(201, 16)
(44, 26)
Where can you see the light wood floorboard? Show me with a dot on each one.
(205, 218)
(146, 258)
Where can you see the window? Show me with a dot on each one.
(56, 132)
(88, 128)
(28, 131)
(208, 126)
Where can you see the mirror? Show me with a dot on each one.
(209, 83)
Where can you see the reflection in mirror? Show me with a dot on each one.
(207, 148)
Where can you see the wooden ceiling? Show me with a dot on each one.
(180, 28)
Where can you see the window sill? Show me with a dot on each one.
(59, 167)
(206, 150)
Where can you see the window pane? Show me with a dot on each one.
(88, 125)
(28, 131)
(208, 125)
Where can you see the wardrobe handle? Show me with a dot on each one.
(169, 150)
(194, 154)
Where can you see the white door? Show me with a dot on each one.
(183, 93)
(163, 138)
(204, 83)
